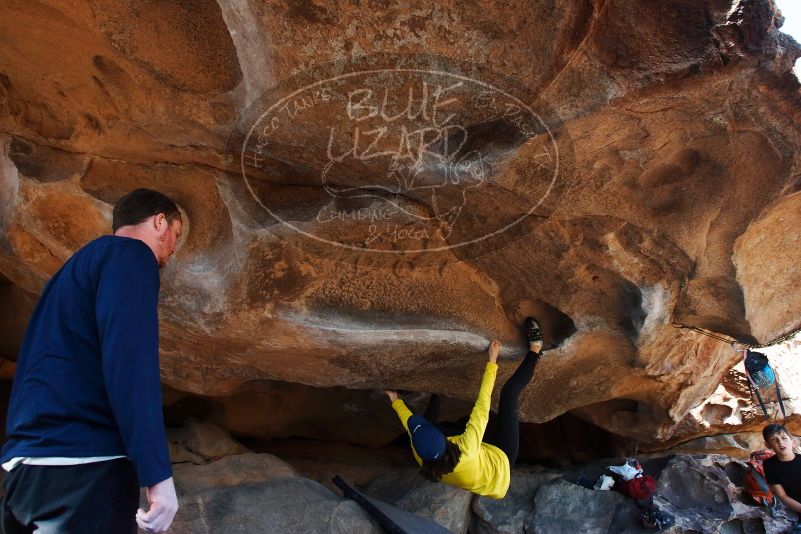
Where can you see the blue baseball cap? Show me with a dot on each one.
(427, 440)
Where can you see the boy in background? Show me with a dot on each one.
(783, 471)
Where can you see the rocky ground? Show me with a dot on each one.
(704, 493)
(250, 492)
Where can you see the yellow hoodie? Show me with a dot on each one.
(483, 468)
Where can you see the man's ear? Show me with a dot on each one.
(159, 221)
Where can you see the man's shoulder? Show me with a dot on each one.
(114, 252)
(124, 248)
(108, 242)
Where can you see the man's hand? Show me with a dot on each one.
(494, 350)
(163, 505)
(393, 395)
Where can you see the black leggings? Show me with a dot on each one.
(503, 429)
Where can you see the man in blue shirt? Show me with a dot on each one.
(85, 424)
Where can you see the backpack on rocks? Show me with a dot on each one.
(640, 488)
(761, 376)
(755, 482)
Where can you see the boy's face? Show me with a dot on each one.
(781, 443)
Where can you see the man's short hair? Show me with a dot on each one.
(773, 429)
(136, 206)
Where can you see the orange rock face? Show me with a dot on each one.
(374, 192)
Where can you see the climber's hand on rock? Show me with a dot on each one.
(392, 394)
(494, 350)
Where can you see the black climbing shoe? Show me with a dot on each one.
(532, 330)
(657, 520)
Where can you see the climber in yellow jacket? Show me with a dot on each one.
(472, 460)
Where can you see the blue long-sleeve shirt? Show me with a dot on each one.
(87, 380)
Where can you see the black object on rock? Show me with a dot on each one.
(657, 519)
(532, 330)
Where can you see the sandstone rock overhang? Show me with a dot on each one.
(677, 199)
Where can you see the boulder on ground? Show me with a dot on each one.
(497, 516)
(210, 441)
(285, 505)
(408, 490)
(564, 507)
(231, 471)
